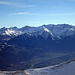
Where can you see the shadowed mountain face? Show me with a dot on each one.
(32, 47)
(31, 42)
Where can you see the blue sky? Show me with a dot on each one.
(36, 12)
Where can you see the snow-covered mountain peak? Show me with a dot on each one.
(60, 30)
(28, 29)
(43, 31)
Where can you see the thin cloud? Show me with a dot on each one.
(5, 3)
(67, 14)
(28, 13)
(15, 4)
(27, 6)
(24, 13)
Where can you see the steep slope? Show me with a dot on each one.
(61, 30)
(67, 68)
(62, 69)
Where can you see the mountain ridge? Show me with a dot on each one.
(60, 30)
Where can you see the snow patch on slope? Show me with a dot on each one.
(61, 29)
(67, 68)
(11, 32)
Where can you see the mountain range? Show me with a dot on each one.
(36, 47)
(59, 31)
